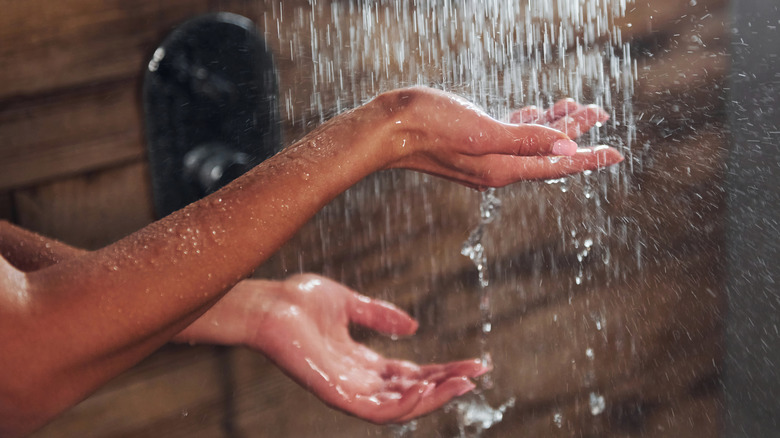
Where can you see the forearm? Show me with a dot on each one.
(28, 251)
(230, 320)
(101, 312)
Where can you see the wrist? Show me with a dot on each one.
(236, 319)
(394, 124)
(371, 131)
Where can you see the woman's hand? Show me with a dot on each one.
(441, 134)
(301, 324)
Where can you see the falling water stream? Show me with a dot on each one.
(476, 413)
(501, 55)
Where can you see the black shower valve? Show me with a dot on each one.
(209, 167)
(211, 108)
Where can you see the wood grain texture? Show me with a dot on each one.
(48, 47)
(6, 207)
(176, 392)
(73, 133)
(649, 306)
(89, 211)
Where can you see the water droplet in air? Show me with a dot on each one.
(597, 403)
(558, 420)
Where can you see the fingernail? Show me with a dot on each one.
(564, 147)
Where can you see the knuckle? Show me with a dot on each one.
(397, 101)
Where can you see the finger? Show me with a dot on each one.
(580, 121)
(590, 158)
(529, 114)
(380, 315)
(403, 372)
(521, 140)
(438, 396)
(465, 368)
(404, 369)
(560, 109)
(382, 408)
(502, 170)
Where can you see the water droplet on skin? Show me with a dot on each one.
(309, 285)
(317, 369)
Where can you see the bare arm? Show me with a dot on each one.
(301, 324)
(28, 251)
(73, 325)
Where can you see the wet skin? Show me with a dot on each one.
(301, 324)
(76, 319)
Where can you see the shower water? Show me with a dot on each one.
(499, 54)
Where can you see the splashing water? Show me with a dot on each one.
(489, 211)
(597, 404)
(473, 248)
(404, 430)
(478, 413)
(475, 415)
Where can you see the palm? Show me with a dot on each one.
(309, 340)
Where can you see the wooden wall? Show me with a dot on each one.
(72, 166)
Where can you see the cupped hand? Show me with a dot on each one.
(301, 324)
(442, 134)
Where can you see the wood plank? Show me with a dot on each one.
(89, 211)
(690, 416)
(6, 207)
(54, 46)
(75, 132)
(175, 393)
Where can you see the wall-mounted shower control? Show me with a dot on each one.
(211, 108)
(209, 167)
